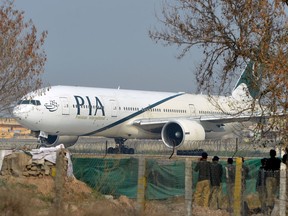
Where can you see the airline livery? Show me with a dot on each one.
(61, 114)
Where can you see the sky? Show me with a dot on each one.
(105, 43)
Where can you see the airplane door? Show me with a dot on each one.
(65, 106)
(113, 106)
(192, 109)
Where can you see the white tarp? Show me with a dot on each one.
(3, 153)
(48, 154)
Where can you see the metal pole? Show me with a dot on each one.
(238, 188)
(141, 185)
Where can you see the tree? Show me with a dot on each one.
(230, 34)
(22, 57)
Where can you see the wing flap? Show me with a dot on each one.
(233, 118)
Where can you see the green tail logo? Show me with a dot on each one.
(252, 78)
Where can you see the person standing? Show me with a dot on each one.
(272, 169)
(202, 191)
(215, 180)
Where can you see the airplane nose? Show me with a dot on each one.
(20, 112)
(16, 112)
(25, 115)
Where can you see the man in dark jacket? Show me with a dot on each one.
(215, 180)
(202, 191)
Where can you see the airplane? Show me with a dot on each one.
(61, 114)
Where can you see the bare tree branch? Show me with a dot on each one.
(22, 58)
(230, 34)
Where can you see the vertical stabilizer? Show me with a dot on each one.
(248, 84)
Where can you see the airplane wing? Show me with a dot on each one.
(155, 125)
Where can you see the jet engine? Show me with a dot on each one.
(54, 140)
(175, 133)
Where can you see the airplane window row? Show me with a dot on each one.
(155, 110)
(175, 110)
(210, 112)
(137, 109)
(131, 108)
(33, 102)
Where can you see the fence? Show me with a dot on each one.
(149, 174)
(94, 145)
(15, 143)
(222, 147)
(160, 178)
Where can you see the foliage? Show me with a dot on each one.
(231, 34)
(21, 54)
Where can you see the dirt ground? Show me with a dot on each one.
(37, 196)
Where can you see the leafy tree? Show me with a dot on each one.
(230, 34)
(22, 58)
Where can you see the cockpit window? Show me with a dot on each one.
(34, 102)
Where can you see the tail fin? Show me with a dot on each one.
(249, 82)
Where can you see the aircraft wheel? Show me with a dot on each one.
(125, 150)
(130, 151)
(110, 150)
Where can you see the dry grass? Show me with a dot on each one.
(29, 196)
(36, 196)
(15, 200)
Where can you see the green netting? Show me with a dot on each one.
(108, 176)
(165, 178)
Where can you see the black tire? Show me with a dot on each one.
(125, 150)
(110, 150)
(130, 151)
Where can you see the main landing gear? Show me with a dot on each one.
(120, 147)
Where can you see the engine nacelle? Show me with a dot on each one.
(175, 133)
(54, 140)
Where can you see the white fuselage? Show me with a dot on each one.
(81, 111)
